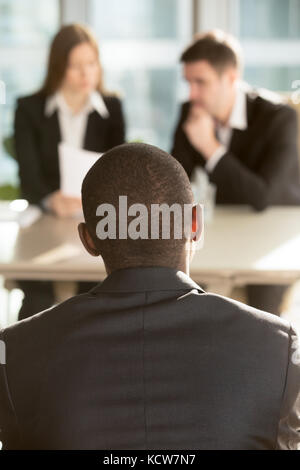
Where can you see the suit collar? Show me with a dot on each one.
(141, 279)
(239, 137)
(251, 100)
(242, 112)
(255, 95)
(95, 103)
(238, 116)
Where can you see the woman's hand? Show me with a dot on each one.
(63, 206)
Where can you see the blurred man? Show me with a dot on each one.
(246, 143)
(147, 359)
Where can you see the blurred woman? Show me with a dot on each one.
(71, 107)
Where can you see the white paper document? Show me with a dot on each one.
(74, 164)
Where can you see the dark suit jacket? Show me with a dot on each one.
(148, 360)
(261, 167)
(37, 137)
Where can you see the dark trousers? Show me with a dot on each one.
(39, 295)
(267, 298)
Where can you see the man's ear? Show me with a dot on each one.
(87, 240)
(197, 222)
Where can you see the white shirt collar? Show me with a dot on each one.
(94, 103)
(238, 116)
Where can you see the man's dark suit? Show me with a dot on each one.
(36, 138)
(148, 360)
(261, 167)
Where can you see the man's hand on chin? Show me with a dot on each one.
(199, 128)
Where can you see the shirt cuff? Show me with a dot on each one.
(215, 158)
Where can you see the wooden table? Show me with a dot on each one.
(240, 247)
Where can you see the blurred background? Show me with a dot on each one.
(140, 42)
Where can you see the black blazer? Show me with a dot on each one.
(37, 137)
(261, 167)
(148, 360)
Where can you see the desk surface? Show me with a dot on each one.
(239, 245)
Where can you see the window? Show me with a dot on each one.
(270, 19)
(140, 44)
(269, 32)
(25, 32)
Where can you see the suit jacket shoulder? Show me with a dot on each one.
(33, 104)
(269, 106)
(250, 314)
(111, 100)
